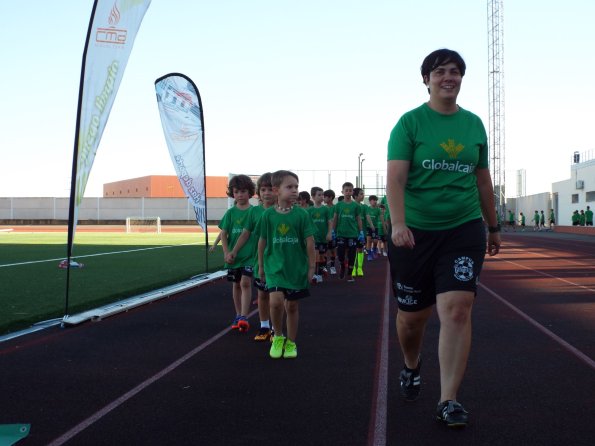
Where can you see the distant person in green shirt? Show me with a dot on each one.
(322, 220)
(511, 221)
(286, 260)
(331, 256)
(589, 216)
(541, 221)
(347, 224)
(582, 219)
(522, 221)
(535, 220)
(575, 218)
(552, 219)
(438, 155)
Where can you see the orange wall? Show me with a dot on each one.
(160, 186)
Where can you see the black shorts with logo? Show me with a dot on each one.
(441, 261)
(235, 274)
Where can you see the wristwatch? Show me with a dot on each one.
(493, 229)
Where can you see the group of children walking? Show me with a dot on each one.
(290, 240)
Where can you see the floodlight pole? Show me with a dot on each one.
(359, 170)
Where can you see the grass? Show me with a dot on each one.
(116, 266)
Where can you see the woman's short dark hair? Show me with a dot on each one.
(240, 182)
(442, 57)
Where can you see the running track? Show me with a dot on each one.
(171, 373)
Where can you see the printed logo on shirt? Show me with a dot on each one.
(283, 229)
(453, 149)
(463, 269)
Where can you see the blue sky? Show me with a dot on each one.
(300, 85)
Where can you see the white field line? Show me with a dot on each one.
(571, 262)
(548, 275)
(568, 347)
(96, 255)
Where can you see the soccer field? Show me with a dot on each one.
(116, 266)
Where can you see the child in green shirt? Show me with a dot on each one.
(348, 227)
(286, 260)
(249, 234)
(239, 271)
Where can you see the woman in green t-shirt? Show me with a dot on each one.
(438, 188)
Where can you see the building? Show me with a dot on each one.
(160, 186)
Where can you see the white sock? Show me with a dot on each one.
(264, 324)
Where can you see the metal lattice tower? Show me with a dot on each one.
(496, 100)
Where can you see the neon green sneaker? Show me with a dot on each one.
(276, 350)
(290, 350)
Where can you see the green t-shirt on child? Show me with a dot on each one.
(285, 255)
(233, 223)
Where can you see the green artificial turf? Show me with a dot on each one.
(116, 266)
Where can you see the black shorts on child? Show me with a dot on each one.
(442, 261)
(291, 294)
(235, 274)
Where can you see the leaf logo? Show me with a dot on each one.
(283, 229)
(451, 148)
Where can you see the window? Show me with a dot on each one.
(590, 196)
(575, 198)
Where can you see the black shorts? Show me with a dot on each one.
(348, 242)
(331, 245)
(372, 233)
(443, 260)
(291, 294)
(260, 285)
(321, 248)
(235, 274)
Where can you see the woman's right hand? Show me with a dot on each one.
(402, 236)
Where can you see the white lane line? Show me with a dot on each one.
(548, 275)
(572, 350)
(131, 393)
(381, 409)
(98, 254)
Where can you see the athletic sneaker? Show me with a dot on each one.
(360, 272)
(263, 334)
(290, 350)
(243, 324)
(234, 324)
(276, 350)
(324, 271)
(350, 279)
(410, 382)
(452, 413)
(332, 270)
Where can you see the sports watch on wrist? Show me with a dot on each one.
(493, 229)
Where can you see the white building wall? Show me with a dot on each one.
(564, 191)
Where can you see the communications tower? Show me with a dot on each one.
(496, 101)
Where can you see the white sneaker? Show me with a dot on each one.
(333, 270)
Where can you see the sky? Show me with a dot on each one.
(303, 85)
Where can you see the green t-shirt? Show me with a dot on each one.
(589, 216)
(233, 223)
(285, 256)
(444, 151)
(582, 220)
(347, 214)
(364, 212)
(374, 214)
(575, 217)
(320, 217)
(251, 225)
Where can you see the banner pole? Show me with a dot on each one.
(75, 162)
